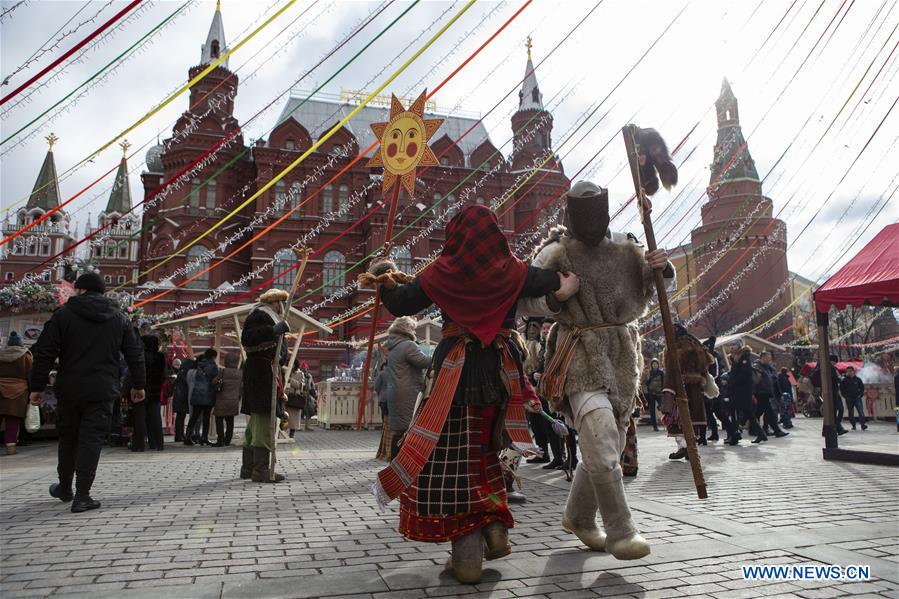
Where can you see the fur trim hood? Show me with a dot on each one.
(404, 326)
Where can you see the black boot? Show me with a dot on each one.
(556, 463)
(82, 501)
(62, 493)
(680, 454)
(261, 462)
(714, 435)
(246, 464)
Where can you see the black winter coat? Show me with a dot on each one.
(852, 388)
(88, 335)
(181, 399)
(154, 364)
(259, 341)
(739, 382)
(203, 394)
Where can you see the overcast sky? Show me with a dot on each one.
(671, 90)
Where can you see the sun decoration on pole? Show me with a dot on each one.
(404, 143)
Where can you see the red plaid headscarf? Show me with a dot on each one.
(476, 279)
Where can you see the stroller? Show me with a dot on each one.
(809, 404)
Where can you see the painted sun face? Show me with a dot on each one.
(403, 144)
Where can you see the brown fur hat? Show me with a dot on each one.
(273, 296)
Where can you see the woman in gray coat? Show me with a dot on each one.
(405, 369)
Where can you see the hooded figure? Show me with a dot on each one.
(595, 377)
(15, 368)
(447, 473)
(261, 331)
(87, 335)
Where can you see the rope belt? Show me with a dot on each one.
(552, 384)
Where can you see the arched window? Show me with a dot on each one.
(215, 49)
(284, 259)
(327, 200)
(479, 201)
(290, 144)
(343, 198)
(110, 249)
(195, 193)
(450, 206)
(403, 258)
(280, 196)
(197, 261)
(296, 196)
(210, 196)
(333, 276)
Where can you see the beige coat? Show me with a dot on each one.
(616, 287)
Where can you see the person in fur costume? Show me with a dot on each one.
(695, 362)
(594, 380)
(447, 474)
(259, 338)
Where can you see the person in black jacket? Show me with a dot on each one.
(766, 388)
(835, 389)
(202, 399)
(259, 338)
(853, 390)
(147, 414)
(740, 388)
(181, 396)
(87, 335)
(786, 394)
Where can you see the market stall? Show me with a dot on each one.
(870, 278)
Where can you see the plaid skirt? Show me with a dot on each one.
(461, 488)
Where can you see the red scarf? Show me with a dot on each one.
(476, 279)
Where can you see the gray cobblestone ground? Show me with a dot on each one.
(180, 523)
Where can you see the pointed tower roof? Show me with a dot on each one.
(120, 197)
(530, 98)
(732, 160)
(215, 41)
(45, 194)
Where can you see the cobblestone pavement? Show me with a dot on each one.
(181, 523)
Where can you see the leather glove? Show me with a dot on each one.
(282, 327)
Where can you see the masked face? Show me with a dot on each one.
(404, 144)
(588, 218)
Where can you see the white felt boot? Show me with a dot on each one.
(622, 540)
(579, 517)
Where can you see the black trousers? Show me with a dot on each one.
(82, 429)
(652, 400)
(717, 409)
(764, 409)
(179, 426)
(147, 423)
(224, 429)
(199, 415)
(541, 428)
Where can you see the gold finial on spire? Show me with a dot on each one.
(529, 45)
(51, 140)
(218, 5)
(125, 145)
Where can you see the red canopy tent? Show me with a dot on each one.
(870, 278)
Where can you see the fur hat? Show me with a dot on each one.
(273, 296)
(379, 266)
(13, 339)
(405, 325)
(91, 281)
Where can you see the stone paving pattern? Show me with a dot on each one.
(180, 522)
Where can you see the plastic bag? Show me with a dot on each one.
(33, 419)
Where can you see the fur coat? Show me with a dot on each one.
(616, 287)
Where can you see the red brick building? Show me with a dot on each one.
(737, 216)
(178, 217)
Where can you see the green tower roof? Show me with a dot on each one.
(120, 197)
(45, 194)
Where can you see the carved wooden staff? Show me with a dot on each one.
(363, 394)
(673, 374)
(302, 255)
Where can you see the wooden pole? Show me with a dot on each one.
(303, 256)
(243, 353)
(828, 393)
(363, 393)
(673, 374)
